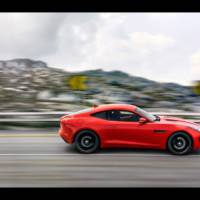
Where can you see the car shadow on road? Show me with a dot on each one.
(71, 149)
(125, 151)
(131, 150)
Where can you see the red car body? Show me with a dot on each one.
(137, 134)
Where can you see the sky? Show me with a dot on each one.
(163, 47)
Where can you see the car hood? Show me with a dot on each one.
(176, 120)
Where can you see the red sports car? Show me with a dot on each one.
(128, 126)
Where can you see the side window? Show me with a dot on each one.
(101, 115)
(129, 116)
(122, 115)
(113, 115)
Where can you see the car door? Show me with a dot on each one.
(124, 130)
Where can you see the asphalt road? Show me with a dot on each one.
(42, 159)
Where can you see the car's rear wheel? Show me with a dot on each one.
(86, 142)
(180, 143)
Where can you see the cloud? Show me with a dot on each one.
(75, 40)
(158, 46)
(28, 35)
(122, 48)
(147, 40)
(137, 47)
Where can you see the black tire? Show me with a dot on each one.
(86, 142)
(180, 143)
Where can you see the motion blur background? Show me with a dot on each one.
(69, 61)
(63, 62)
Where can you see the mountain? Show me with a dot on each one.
(31, 85)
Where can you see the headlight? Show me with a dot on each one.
(196, 128)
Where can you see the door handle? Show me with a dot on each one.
(159, 131)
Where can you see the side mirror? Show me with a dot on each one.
(143, 120)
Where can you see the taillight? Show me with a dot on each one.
(65, 117)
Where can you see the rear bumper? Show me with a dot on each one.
(66, 134)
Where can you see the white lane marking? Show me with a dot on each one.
(28, 135)
(107, 154)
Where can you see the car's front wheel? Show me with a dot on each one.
(180, 143)
(86, 141)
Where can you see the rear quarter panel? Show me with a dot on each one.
(86, 123)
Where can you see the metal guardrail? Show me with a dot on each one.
(33, 113)
(55, 116)
(176, 114)
(31, 116)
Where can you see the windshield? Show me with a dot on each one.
(147, 115)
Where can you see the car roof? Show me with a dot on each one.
(105, 107)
